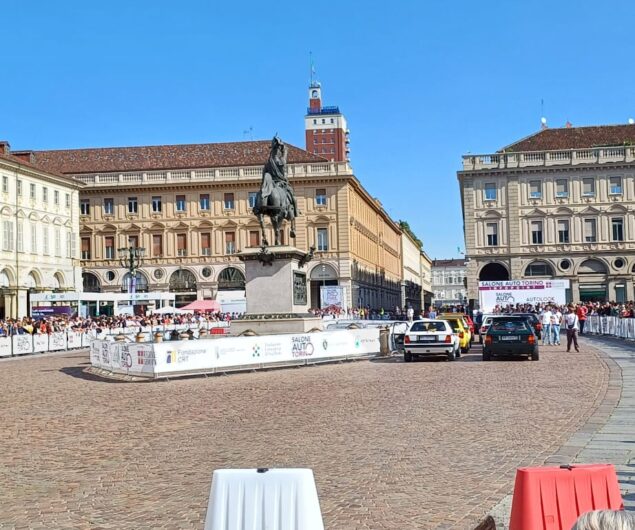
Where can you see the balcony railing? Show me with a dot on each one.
(213, 174)
(570, 157)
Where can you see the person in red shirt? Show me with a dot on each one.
(581, 312)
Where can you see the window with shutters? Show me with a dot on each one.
(34, 247)
(536, 232)
(491, 232)
(68, 200)
(322, 239)
(19, 187)
(20, 235)
(254, 238)
(157, 206)
(206, 244)
(58, 242)
(228, 201)
(7, 239)
(133, 206)
(180, 203)
(252, 199)
(181, 244)
(615, 186)
(85, 247)
(45, 194)
(133, 241)
(32, 191)
(109, 243)
(320, 197)
(203, 201)
(157, 245)
(230, 242)
(56, 198)
(69, 246)
(562, 188)
(590, 234)
(563, 231)
(84, 207)
(588, 187)
(617, 228)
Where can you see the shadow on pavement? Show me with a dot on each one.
(79, 373)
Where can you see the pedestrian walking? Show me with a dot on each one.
(573, 326)
(545, 320)
(582, 312)
(556, 320)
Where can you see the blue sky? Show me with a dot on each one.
(421, 83)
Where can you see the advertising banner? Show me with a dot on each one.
(243, 351)
(22, 344)
(5, 346)
(57, 341)
(332, 296)
(74, 339)
(512, 292)
(40, 343)
(47, 311)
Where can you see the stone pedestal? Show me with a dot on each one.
(277, 292)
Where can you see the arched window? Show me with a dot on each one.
(90, 283)
(4, 279)
(539, 268)
(493, 272)
(231, 279)
(140, 283)
(182, 280)
(592, 266)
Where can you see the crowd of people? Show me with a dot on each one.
(57, 323)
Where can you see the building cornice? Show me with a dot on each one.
(28, 170)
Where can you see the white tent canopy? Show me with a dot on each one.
(169, 310)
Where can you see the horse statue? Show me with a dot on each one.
(276, 198)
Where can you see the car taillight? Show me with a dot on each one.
(406, 340)
(532, 339)
(461, 335)
(448, 338)
(488, 339)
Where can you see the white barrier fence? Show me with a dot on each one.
(68, 340)
(157, 360)
(62, 340)
(615, 326)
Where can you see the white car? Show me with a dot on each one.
(430, 337)
(486, 323)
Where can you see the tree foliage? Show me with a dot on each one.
(405, 227)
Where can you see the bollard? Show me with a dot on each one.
(184, 335)
(120, 338)
(384, 342)
(140, 337)
(158, 337)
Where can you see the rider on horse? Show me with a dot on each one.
(274, 175)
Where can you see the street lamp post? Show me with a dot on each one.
(130, 258)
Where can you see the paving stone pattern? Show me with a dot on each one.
(392, 445)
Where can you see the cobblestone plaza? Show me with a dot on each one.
(392, 445)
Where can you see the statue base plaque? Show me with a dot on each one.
(277, 292)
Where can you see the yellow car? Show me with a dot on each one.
(460, 328)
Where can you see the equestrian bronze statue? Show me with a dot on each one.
(276, 198)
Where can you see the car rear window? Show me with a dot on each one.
(510, 325)
(428, 326)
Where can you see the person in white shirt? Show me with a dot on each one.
(545, 319)
(572, 325)
(556, 319)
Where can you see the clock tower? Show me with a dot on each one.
(326, 132)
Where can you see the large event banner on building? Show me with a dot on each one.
(512, 292)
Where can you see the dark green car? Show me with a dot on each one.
(510, 335)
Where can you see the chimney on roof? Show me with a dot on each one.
(27, 156)
(5, 148)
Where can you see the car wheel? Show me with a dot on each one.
(457, 352)
(465, 350)
(452, 355)
(535, 356)
(407, 357)
(487, 356)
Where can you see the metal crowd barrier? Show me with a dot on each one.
(615, 326)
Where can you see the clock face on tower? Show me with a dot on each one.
(315, 94)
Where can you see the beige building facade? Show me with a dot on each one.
(411, 292)
(558, 204)
(39, 232)
(426, 279)
(190, 206)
